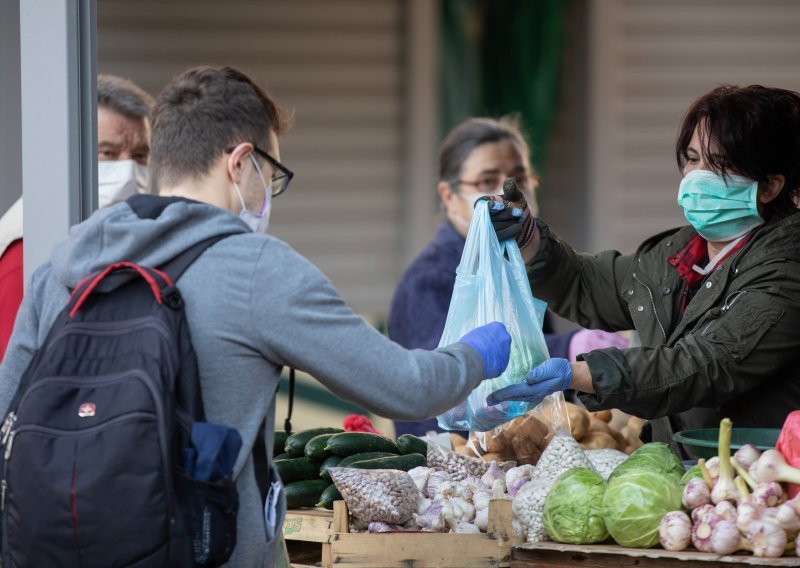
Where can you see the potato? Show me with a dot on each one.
(578, 420)
(635, 423)
(493, 457)
(621, 440)
(604, 415)
(526, 451)
(596, 440)
(597, 425)
(495, 441)
(457, 440)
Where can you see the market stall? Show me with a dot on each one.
(412, 502)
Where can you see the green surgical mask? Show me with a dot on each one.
(719, 208)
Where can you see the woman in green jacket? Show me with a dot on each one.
(716, 303)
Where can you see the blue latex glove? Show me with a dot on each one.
(493, 344)
(551, 376)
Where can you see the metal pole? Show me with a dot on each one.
(59, 115)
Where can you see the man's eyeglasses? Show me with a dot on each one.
(282, 175)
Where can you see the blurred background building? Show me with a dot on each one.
(600, 87)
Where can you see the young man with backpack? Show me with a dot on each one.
(253, 306)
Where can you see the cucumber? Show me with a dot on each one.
(296, 469)
(304, 493)
(404, 463)
(349, 443)
(331, 461)
(363, 457)
(410, 444)
(283, 456)
(315, 448)
(328, 496)
(279, 442)
(296, 443)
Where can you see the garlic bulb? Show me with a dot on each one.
(482, 519)
(767, 539)
(516, 473)
(747, 455)
(767, 494)
(696, 493)
(438, 481)
(466, 528)
(675, 531)
(432, 520)
(725, 538)
(420, 476)
(726, 510)
(518, 484)
(481, 499)
(493, 473)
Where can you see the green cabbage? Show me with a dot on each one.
(573, 511)
(634, 504)
(692, 473)
(655, 456)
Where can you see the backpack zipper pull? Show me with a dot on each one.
(3, 486)
(8, 424)
(9, 445)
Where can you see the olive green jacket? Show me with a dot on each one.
(735, 352)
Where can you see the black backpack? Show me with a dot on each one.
(98, 430)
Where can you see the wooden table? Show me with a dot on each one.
(548, 554)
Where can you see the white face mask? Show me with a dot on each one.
(472, 199)
(116, 181)
(258, 222)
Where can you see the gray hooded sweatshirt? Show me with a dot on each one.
(254, 305)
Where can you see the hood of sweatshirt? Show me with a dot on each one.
(145, 229)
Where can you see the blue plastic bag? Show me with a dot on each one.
(490, 287)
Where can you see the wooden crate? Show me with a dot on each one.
(613, 556)
(339, 547)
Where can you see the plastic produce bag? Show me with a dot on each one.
(377, 495)
(490, 287)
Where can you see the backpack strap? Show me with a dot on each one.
(178, 265)
(287, 424)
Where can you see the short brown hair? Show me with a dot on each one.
(123, 97)
(757, 130)
(203, 111)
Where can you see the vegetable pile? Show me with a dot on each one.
(736, 503)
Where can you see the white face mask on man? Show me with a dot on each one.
(258, 222)
(118, 180)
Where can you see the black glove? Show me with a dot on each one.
(509, 214)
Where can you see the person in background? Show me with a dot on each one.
(252, 303)
(716, 303)
(474, 159)
(10, 271)
(123, 139)
(123, 148)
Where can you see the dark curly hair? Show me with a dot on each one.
(757, 131)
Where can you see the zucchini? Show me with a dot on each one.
(328, 496)
(296, 443)
(304, 493)
(315, 448)
(296, 469)
(404, 463)
(283, 456)
(331, 461)
(410, 444)
(364, 456)
(349, 443)
(279, 442)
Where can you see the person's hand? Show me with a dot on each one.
(587, 340)
(510, 216)
(493, 344)
(551, 376)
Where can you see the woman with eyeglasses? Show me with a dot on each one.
(474, 159)
(716, 302)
